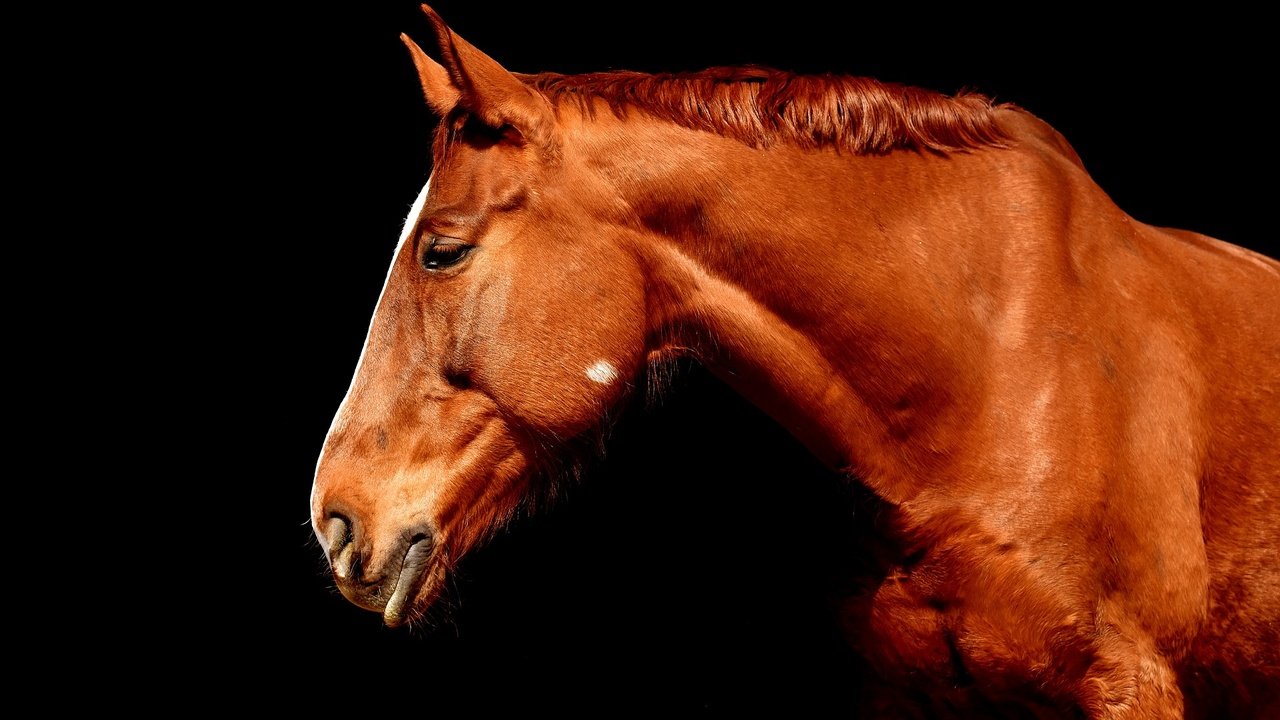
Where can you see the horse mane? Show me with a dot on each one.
(761, 106)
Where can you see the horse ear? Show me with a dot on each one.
(488, 90)
(441, 94)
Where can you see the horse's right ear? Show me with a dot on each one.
(488, 91)
(441, 94)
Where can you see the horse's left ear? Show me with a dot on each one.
(438, 89)
(488, 90)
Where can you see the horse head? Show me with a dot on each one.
(511, 323)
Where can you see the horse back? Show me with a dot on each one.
(1172, 342)
(1229, 306)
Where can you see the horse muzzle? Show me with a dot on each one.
(388, 585)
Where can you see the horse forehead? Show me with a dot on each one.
(471, 177)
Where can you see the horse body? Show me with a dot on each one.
(1054, 399)
(1069, 415)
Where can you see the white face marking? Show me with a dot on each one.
(602, 371)
(409, 223)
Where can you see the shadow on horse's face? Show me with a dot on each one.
(512, 321)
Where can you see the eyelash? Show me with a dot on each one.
(440, 255)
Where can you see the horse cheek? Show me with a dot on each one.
(567, 345)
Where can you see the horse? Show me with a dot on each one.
(1069, 416)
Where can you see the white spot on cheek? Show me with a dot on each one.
(602, 371)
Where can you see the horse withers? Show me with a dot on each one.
(1070, 416)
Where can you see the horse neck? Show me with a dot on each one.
(840, 293)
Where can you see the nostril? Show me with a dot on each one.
(344, 562)
(342, 545)
(336, 531)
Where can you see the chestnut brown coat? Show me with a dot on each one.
(1071, 416)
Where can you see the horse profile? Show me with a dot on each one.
(1070, 416)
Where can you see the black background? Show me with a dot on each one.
(677, 584)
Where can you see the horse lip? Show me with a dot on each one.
(417, 560)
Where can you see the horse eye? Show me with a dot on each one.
(444, 252)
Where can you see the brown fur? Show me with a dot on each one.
(1071, 416)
